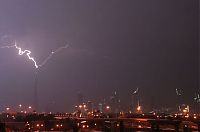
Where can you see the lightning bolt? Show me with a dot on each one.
(28, 54)
(22, 52)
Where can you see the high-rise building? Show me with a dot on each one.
(90, 106)
(100, 107)
(115, 103)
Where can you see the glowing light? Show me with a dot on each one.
(187, 116)
(107, 107)
(22, 52)
(80, 106)
(139, 108)
(83, 121)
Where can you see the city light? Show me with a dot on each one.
(80, 106)
(139, 108)
(107, 107)
(130, 66)
(7, 109)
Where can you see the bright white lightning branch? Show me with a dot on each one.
(22, 52)
(28, 53)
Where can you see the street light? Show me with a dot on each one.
(29, 108)
(39, 126)
(80, 106)
(107, 108)
(84, 106)
(59, 126)
(20, 105)
(7, 109)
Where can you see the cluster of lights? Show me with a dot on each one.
(37, 126)
(28, 125)
(26, 110)
(59, 125)
(82, 106)
(195, 116)
(85, 126)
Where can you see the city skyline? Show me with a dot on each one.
(113, 46)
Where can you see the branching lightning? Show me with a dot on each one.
(28, 54)
(22, 52)
(36, 65)
(52, 53)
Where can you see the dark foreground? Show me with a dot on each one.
(101, 123)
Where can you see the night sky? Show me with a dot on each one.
(115, 45)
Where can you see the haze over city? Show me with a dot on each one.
(113, 46)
